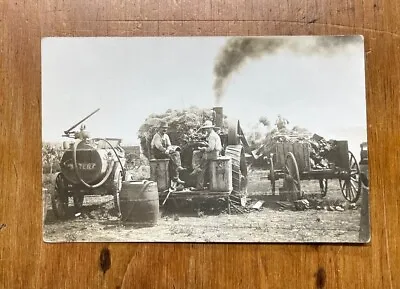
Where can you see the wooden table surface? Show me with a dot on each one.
(26, 262)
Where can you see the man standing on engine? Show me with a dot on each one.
(162, 149)
(210, 152)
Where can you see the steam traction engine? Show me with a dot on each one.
(88, 167)
(227, 176)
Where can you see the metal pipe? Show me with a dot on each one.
(218, 116)
(75, 125)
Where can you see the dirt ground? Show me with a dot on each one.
(333, 220)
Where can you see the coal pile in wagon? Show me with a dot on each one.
(320, 149)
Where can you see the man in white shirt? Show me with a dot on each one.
(162, 149)
(210, 152)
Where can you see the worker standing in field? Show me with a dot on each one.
(162, 149)
(210, 152)
(281, 123)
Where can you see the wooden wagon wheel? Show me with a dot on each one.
(272, 175)
(293, 177)
(59, 197)
(350, 183)
(323, 185)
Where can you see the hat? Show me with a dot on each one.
(163, 125)
(207, 124)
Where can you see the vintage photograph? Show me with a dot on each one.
(205, 139)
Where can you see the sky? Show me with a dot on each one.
(130, 78)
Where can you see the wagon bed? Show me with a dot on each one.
(291, 162)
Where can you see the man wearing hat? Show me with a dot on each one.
(162, 149)
(209, 152)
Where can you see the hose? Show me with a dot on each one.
(119, 160)
(108, 172)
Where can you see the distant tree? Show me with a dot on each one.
(51, 157)
(256, 135)
(299, 130)
(257, 132)
(263, 120)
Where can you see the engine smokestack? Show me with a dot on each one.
(218, 116)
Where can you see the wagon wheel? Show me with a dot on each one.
(293, 177)
(272, 175)
(350, 184)
(59, 197)
(323, 185)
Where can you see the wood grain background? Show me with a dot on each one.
(26, 262)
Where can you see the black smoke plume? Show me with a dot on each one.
(239, 49)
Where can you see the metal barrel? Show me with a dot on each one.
(159, 173)
(92, 164)
(139, 203)
(221, 175)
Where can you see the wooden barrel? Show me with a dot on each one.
(159, 173)
(221, 174)
(139, 203)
